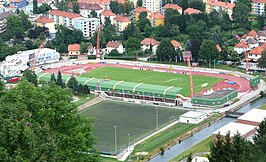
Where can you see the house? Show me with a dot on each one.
(73, 49)
(88, 26)
(219, 6)
(172, 6)
(3, 17)
(104, 4)
(253, 117)
(255, 54)
(192, 11)
(121, 23)
(152, 5)
(138, 10)
(261, 36)
(251, 34)
(192, 117)
(86, 8)
(63, 18)
(91, 50)
(258, 7)
(111, 45)
(156, 19)
(46, 22)
(107, 13)
(176, 45)
(241, 47)
(149, 43)
(246, 131)
(252, 42)
(18, 3)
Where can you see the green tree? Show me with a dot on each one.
(63, 6)
(73, 85)
(143, 15)
(241, 12)
(189, 158)
(30, 76)
(62, 48)
(52, 79)
(29, 45)
(131, 31)
(93, 14)
(132, 44)
(2, 85)
(139, 3)
(83, 48)
(44, 8)
(129, 6)
(148, 31)
(261, 22)
(165, 50)
(208, 50)
(184, 5)
(262, 60)
(76, 8)
(197, 4)
(35, 7)
(59, 80)
(143, 23)
(114, 52)
(43, 126)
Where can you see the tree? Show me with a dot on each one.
(262, 60)
(73, 85)
(30, 76)
(131, 31)
(143, 15)
(83, 48)
(29, 45)
(93, 14)
(129, 6)
(62, 48)
(184, 5)
(165, 50)
(261, 22)
(35, 7)
(76, 8)
(148, 31)
(208, 50)
(114, 52)
(52, 79)
(241, 12)
(189, 158)
(197, 4)
(139, 3)
(143, 23)
(44, 8)
(2, 85)
(43, 126)
(59, 80)
(63, 6)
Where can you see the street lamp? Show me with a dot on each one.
(115, 140)
(128, 141)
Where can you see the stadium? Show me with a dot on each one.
(135, 93)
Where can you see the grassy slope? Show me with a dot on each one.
(151, 77)
(84, 99)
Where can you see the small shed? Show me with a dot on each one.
(192, 117)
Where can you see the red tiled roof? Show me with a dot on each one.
(148, 41)
(252, 33)
(43, 19)
(172, 6)
(221, 4)
(141, 9)
(65, 14)
(113, 44)
(263, 46)
(104, 2)
(256, 51)
(259, 1)
(192, 11)
(121, 19)
(218, 48)
(156, 15)
(244, 36)
(86, 6)
(239, 45)
(73, 47)
(107, 13)
(175, 43)
(40, 1)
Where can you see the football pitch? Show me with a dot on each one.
(132, 121)
(152, 77)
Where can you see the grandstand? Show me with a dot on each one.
(129, 91)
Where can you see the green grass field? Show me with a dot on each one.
(134, 119)
(151, 77)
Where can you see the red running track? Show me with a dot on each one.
(242, 85)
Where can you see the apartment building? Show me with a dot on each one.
(218, 6)
(121, 23)
(258, 7)
(152, 5)
(63, 18)
(88, 26)
(86, 8)
(46, 22)
(156, 19)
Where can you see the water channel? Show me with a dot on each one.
(203, 134)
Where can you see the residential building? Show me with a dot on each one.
(176, 45)
(149, 44)
(241, 47)
(46, 22)
(15, 64)
(86, 8)
(192, 11)
(172, 6)
(107, 13)
(111, 45)
(258, 7)
(156, 19)
(3, 17)
(18, 3)
(63, 18)
(152, 5)
(121, 23)
(218, 6)
(193, 117)
(87, 25)
(73, 49)
(255, 54)
(138, 10)
(103, 3)
(261, 36)
(252, 42)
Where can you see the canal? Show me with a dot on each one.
(203, 134)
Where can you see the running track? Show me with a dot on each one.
(242, 85)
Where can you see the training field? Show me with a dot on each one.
(152, 77)
(134, 119)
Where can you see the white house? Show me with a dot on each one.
(111, 45)
(148, 43)
(255, 54)
(109, 14)
(262, 36)
(193, 117)
(241, 47)
(176, 45)
(252, 42)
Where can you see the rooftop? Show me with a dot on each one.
(256, 51)
(156, 15)
(121, 19)
(43, 19)
(242, 45)
(141, 9)
(65, 14)
(107, 13)
(233, 127)
(148, 41)
(252, 33)
(113, 44)
(251, 40)
(192, 11)
(86, 6)
(255, 115)
(216, 94)
(221, 4)
(193, 114)
(175, 43)
(172, 6)
(73, 47)
(103, 2)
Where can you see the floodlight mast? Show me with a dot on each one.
(37, 54)
(187, 56)
(245, 52)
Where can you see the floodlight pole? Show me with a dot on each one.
(128, 141)
(115, 140)
(156, 118)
